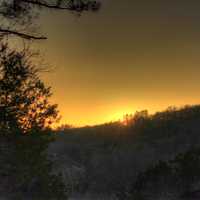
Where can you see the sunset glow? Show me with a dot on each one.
(130, 55)
(99, 99)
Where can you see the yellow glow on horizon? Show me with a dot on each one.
(80, 117)
(107, 68)
(119, 115)
(105, 116)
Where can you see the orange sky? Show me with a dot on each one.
(127, 57)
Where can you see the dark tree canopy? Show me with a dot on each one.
(25, 115)
(24, 98)
(17, 15)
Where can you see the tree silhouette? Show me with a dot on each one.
(25, 112)
(25, 115)
(17, 15)
(23, 96)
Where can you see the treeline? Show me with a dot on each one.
(111, 158)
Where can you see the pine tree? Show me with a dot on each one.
(25, 119)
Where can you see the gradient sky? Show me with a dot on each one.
(131, 55)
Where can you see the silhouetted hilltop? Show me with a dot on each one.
(110, 156)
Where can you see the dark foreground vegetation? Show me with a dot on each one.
(152, 157)
(25, 116)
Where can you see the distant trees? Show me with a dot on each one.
(154, 157)
(17, 15)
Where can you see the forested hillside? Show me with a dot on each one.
(109, 158)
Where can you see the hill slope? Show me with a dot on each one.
(106, 159)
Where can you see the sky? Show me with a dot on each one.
(129, 56)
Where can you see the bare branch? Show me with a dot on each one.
(79, 7)
(20, 11)
(39, 3)
(22, 35)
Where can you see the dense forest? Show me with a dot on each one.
(149, 157)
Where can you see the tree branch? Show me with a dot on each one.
(22, 35)
(39, 3)
(19, 8)
(81, 6)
